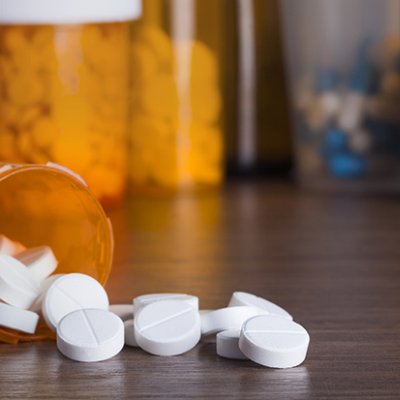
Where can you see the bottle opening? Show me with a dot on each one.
(68, 12)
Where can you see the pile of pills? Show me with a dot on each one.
(176, 138)
(349, 125)
(63, 94)
(76, 307)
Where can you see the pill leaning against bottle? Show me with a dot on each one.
(142, 301)
(90, 335)
(17, 287)
(40, 261)
(69, 293)
(228, 345)
(274, 342)
(167, 328)
(248, 299)
(18, 318)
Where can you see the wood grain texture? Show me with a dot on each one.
(333, 262)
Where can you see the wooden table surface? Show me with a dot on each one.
(331, 261)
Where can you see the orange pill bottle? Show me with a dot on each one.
(176, 135)
(64, 74)
(49, 205)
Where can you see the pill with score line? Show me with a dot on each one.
(251, 300)
(146, 299)
(90, 335)
(274, 342)
(17, 287)
(167, 327)
(69, 293)
(40, 261)
(18, 318)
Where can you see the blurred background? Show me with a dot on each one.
(183, 95)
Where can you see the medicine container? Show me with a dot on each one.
(258, 140)
(48, 205)
(176, 134)
(344, 65)
(64, 77)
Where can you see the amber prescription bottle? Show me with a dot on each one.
(64, 73)
(49, 205)
(176, 132)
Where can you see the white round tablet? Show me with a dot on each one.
(17, 287)
(124, 311)
(146, 299)
(130, 339)
(40, 261)
(69, 293)
(274, 342)
(44, 287)
(167, 327)
(9, 247)
(17, 318)
(228, 345)
(226, 319)
(248, 299)
(90, 335)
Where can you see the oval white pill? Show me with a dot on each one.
(167, 327)
(124, 311)
(90, 335)
(130, 339)
(17, 287)
(9, 247)
(40, 261)
(69, 293)
(18, 319)
(44, 287)
(146, 299)
(248, 299)
(226, 319)
(228, 345)
(274, 342)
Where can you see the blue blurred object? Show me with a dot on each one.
(335, 141)
(365, 76)
(327, 80)
(348, 165)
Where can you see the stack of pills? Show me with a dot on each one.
(349, 124)
(88, 329)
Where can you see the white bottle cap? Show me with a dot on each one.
(68, 12)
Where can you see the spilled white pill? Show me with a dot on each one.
(248, 299)
(9, 247)
(167, 327)
(90, 335)
(18, 318)
(69, 293)
(17, 287)
(124, 311)
(130, 339)
(226, 319)
(146, 299)
(274, 342)
(40, 261)
(44, 287)
(228, 345)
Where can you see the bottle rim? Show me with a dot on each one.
(54, 12)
